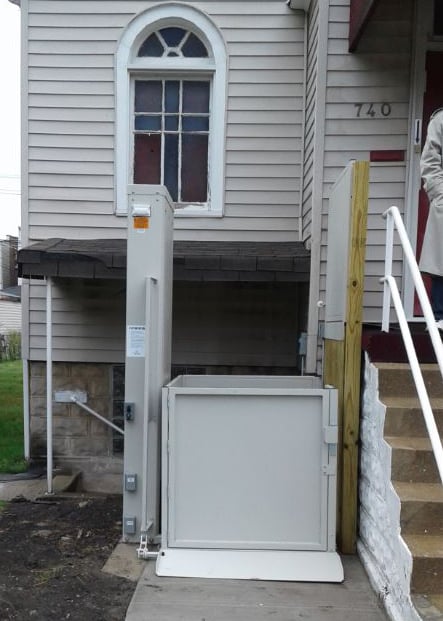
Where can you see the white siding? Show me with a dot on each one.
(377, 73)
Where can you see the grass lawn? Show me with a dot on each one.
(11, 417)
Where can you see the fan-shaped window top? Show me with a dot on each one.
(173, 41)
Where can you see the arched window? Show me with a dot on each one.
(171, 91)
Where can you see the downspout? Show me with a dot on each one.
(49, 449)
(317, 191)
(24, 230)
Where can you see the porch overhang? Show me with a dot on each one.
(193, 261)
(359, 16)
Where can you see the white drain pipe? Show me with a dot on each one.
(49, 449)
(26, 421)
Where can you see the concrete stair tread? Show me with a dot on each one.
(409, 443)
(65, 482)
(429, 366)
(419, 492)
(405, 402)
(415, 478)
(397, 380)
(429, 606)
(425, 546)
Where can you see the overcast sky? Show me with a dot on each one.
(9, 119)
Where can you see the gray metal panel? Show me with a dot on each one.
(149, 303)
(337, 254)
(248, 468)
(232, 382)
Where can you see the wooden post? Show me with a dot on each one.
(342, 364)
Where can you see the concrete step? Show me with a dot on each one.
(396, 379)
(416, 479)
(429, 606)
(404, 416)
(32, 489)
(412, 460)
(427, 565)
(421, 508)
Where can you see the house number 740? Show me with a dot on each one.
(372, 109)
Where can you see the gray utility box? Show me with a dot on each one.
(248, 464)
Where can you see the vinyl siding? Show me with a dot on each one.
(378, 73)
(88, 321)
(235, 320)
(71, 48)
(10, 316)
(70, 150)
(309, 128)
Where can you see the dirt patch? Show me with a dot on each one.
(52, 553)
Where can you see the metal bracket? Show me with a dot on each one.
(129, 409)
(329, 469)
(143, 551)
(330, 434)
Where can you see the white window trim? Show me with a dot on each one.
(129, 65)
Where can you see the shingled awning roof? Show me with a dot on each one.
(205, 261)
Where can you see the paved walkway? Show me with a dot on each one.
(191, 599)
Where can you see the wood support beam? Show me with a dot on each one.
(343, 363)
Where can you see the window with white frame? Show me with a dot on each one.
(175, 96)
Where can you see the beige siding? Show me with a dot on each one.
(10, 316)
(88, 321)
(309, 128)
(379, 74)
(237, 323)
(71, 47)
(71, 119)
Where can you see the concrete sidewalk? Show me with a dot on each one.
(191, 599)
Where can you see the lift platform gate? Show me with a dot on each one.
(249, 479)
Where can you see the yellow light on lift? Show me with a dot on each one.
(140, 222)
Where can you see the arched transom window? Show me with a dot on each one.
(173, 41)
(176, 93)
(171, 121)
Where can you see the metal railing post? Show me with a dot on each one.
(388, 270)
(390, 289)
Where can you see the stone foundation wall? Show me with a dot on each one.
(80, 441)
(384, 553)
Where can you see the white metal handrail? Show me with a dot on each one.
(394, 219)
